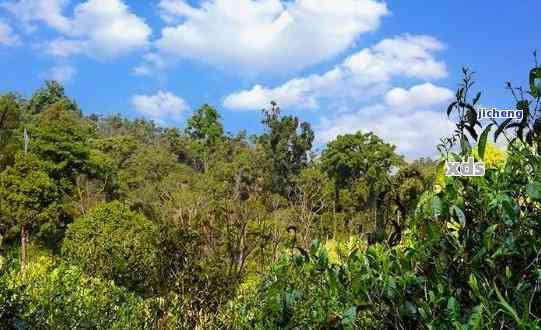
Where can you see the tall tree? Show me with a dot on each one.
(52, 93)
(205, 128)
(61, 139)
(205, 125)
(28, 201)
(363, 161)
(10, 119)
(286, 145)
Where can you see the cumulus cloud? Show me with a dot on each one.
(153, 63)
(415, 133)
(358, 77)
(99, 28)
(265, 35)
(161, 106)
(424, 96)
(62, 73)
(32, 11)
(7, 36)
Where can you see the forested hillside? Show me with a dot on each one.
(112, 223)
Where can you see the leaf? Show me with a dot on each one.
(476, 98)
(349, 316)
(304, 253)
(471, 114)
(437, 206)
(534, 191)
(465, 145)
(501, 128)
(333, 279)
(459, 214)
(460, 93)
(472, 131)
(537, 126)
(506, 307)
(529, 138)
(535, 87)
(451, 107)
(481, 146)
(453, 309)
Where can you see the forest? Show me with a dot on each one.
(115, 223)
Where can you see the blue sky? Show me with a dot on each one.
(343, 65)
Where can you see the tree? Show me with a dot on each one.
(205, 128)
(143, 180)
(113, 242)
(362, 162)
(28, 201)
(401, 197)
(52, 93)
(285, 148)
(10, 119)
(205, 124)
(61, 139)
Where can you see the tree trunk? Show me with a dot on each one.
(24, 243)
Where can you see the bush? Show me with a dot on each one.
(115, 243)
(366, 289)
(52, 295)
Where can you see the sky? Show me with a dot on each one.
(389, 67)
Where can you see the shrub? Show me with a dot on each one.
(115, 243)
(54, 295)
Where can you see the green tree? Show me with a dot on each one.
(143, 181)
(362, 163)
(61, 138)
(10, 120)
(285, 147)
(113, 242)
(206, 131)
(205, 125)
(52, 93)
(28, 202)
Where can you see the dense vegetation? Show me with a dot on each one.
(110, 223)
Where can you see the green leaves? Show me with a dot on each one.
(501, 128)
(481, 144)
(534, 191)
(116, 243)
(459, 214)
(535, 82)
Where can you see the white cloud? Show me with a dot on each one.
(360, 76)
(415, 134)
(152, 64)
(31, 11)
(161, 106)
(7, 36)
(62, 73)
(266, 35)
(407, 55)
(424, 96)
(99, 28)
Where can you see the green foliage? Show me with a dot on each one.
(55, 295)
(285, 148)
(205, 125)
(10, 119)
(369, 289)
(469, 258)
(52, 93)
(196, 229)
(115, 243)
(60, 138)
(30, 198)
